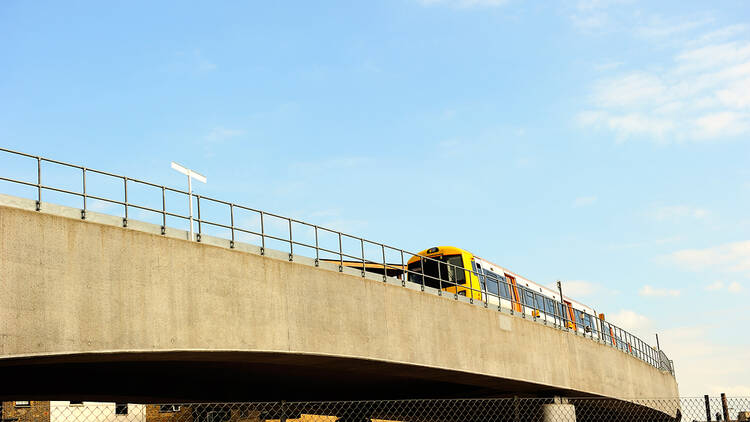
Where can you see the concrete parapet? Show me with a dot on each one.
(92, 291)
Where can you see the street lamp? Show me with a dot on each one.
(190, 175)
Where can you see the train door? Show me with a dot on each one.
(516, 302)
(477, 267)
(571, 316)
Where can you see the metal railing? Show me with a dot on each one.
(451, 279)
(423, 410)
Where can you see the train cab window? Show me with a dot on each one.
(455, 270)
(440, 272)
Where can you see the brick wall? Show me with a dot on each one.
(37, 411)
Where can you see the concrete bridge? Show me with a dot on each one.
(93, 310)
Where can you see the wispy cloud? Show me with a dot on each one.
(220, 133)
(675, 212)
(649, 291)
(716, 285)
(734, 287)
(194, 61)
(584, 201)
(698, 360)
(464, 3)
(583, 289)
(633, 322)
(659, 27)
(731, 257)
(702, 93)
(595, 15)
(610, 65)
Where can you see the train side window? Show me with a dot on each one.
(539, 302)
(504, 290)
(492, 285)
(529, 298)
(579, 316)
(587, 320)
(550, 306)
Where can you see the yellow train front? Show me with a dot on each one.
(445, 268)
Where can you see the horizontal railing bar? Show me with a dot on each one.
(5, 179)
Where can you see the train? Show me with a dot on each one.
(452, 270)
(457, 271)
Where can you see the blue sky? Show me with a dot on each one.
(600, 142)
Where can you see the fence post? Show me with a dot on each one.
(708, 408)
(725, 407)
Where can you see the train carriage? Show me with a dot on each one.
(460, 272)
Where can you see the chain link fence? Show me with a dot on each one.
(441, 410)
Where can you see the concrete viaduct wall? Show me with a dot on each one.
(93, 296)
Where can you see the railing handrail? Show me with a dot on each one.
(605, 331)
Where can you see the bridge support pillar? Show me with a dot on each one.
(559, 411)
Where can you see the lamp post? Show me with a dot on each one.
(190, 175)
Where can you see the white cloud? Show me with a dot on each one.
(658, 27)
(733, 287)
(721, 34)
(702, 93)
(731, 257)
(705, 366)
(611, 65)
(584, 201)
(465, 3)
(595, 15)
(220, 133)
(716, 285)
(633, 322)
(649, 291)
(582, 289)
(673, 212)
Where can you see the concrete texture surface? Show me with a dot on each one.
(87, 297)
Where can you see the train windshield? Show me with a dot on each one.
(439, 272)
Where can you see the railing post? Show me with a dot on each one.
(198, 203)
(341, 254)
(405, 271)
(362, 243)
(421, 268)
(291, 242)
(83, 211)
(39, 183)
(317, 248)
(231, 224)
(440, 281)
(262, 236)
(163, 211)
(385, 266)
(125, 184)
